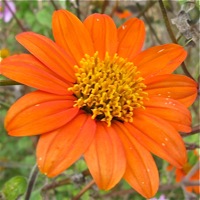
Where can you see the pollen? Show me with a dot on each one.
(108, 89)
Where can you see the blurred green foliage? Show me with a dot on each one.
(17, 155)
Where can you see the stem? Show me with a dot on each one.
(150, 26)
(149, 5)
(65, 181)
(88, 186)
(167, 23)
(14, 16)
(31, 182)
(191, 146)
(171, 34)
(195, 130)
(8, 82)
(78, 9)
(54, 5)
(191, 173)
(53, 185)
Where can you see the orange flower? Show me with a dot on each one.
(182, 172)
(101, 97)
(122, 13)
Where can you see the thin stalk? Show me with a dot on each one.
(171, 34)
(54, 5)
(31, 182)
(87, 187)
(14, 16)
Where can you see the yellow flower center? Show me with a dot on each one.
(108, 89)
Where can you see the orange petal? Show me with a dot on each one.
(141, 172)
(49, 54)
(173, 86)
(131, 36)
(59, 149)
(39, 112)
(28, 70)
(105, 157)
(70, 33)
(170, 110)
(103, 32)
(163, 59)
(159, 137)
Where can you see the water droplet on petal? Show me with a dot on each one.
(161, 50)
(169, 96)
(142, 182)
(40, 158)
(148, 170)
(98, 19)
(123, 27)
(159, 95)
(37, 105)
(166, 139)
(163, 144)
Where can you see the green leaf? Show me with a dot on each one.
(44, 17)
(14, 187)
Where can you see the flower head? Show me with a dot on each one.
(99, 96)
(122, 13)
(5, 12)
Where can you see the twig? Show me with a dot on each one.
(78, 13)
(14, 16)
(65, 181)
(192, 183)
(54, 5)
(104, 6)
(149, 5)
(8, 82)
(171, 34)
(192, 146)
(88, 186)
(167, 23)
(31, 182)
(195, 130)
(53, 185)
(190, 173)
(150, 26)
(186, 181)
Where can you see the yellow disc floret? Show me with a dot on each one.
(108, 89)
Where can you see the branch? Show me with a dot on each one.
(14, 16)
(195, 130)
(8, 82)
(87, 187)
(31, 182)
(149, 5)
(191, 146)
(186, 179)
(171, 34)
(54, 5)
(150, 26)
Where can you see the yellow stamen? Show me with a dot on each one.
(108, 89)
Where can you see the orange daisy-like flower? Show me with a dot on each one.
(182, 172)
(101, 97)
